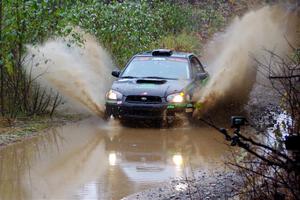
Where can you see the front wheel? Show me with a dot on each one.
(169, 118)
(106, 115)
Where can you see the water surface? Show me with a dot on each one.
(97, 160)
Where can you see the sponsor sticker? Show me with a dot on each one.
(158, 58)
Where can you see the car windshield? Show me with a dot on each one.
(157, 67)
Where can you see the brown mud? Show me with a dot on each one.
(97, 160)
(231, 55)
(81, 74)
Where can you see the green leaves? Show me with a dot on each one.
(129, 27)
(180, 42)
(30, 22)
(123, 28)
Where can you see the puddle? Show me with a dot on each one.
(95, 160)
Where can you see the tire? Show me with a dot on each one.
(106, 115)
(192, 120)
(159, 123)
(169, 119)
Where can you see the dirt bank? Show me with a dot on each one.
(28, 127)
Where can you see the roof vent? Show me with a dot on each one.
(162, 52)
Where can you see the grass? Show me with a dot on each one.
(187, 42)
(26, 127)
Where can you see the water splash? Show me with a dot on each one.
(80, 74)
(230, 54)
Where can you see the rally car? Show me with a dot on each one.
(155, 85)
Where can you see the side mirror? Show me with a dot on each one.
(204, 66)
(116, 73)
(201, 76)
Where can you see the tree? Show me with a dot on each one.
(268, 167)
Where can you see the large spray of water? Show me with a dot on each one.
(230, 55)
(80, 74)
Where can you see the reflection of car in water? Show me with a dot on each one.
(155, 85)
(149, 158)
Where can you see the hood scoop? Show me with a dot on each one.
(150, 81)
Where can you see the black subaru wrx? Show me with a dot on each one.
(155, 85)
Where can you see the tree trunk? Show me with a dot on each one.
(1, 65)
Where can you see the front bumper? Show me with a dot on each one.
(145, 111)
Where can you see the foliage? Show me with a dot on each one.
(181, 42)
(129, 27)
(271, 168)
(207, 21)
(28, 22)
(25, 22)
(124, 28)
(284, 75)
(133, 26)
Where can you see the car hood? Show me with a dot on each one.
(151, 87)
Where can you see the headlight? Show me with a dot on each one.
(176, 98)
(114, 95)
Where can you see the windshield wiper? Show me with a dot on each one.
(158, 77)
(128, 77)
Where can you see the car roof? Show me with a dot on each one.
(172, 53)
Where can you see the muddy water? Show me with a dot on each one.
(95, 160)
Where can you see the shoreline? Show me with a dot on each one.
(214, 184)
(29, 127)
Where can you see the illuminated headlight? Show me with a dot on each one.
(176, 98)
(113, 95)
